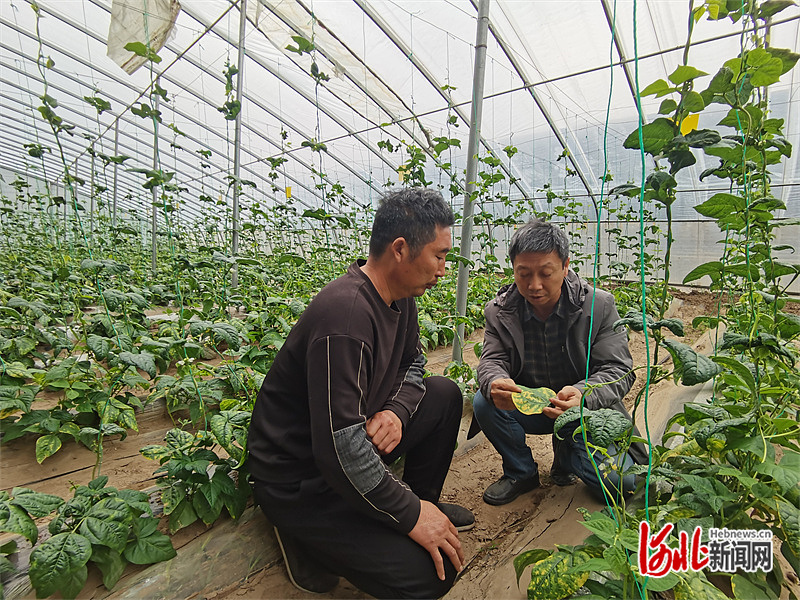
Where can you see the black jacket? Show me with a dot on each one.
(610, 359)
(348, 357)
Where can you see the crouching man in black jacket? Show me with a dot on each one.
(344, 398)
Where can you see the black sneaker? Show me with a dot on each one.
(505, 489)
(304, 573)
(462, 518)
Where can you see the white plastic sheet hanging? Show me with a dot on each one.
(147, 21)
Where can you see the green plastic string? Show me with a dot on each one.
(640, 125)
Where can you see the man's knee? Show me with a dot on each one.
(445, 392)
(425, 583)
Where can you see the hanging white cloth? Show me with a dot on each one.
(147, 21)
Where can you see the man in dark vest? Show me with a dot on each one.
(344, 399)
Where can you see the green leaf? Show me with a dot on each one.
(720, 205)
(144, 361)
(661, 584)
(606, 426)
(57, 561)
(151, 546)
(656, 136)
(46, 446)
(107, 524)
(182, 516)
(138, 48)
(627, 189)
(700, 138)
(726, 149)
(207, 512)
(693, 102)
(679, 159)
(713, 269)
(237, 503)
(674, 325)
(691, 367)
(661, 181)
(573, 413)
(6, 567)
(220, 485)
(790, 524)
(668, 106)
(659, 88)
(767, 73)
(16, 520)
(740, 370)
(685, 73)
(36, 504)
(633, 320)
(744, 589)
(772, 7)
(695, 586)
(110, 564)
(787, 57)
(227, 332)
(602, 526)
(100, 346)
(617, 559)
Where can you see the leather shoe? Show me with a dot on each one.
(462, 518)
(563, 478)
(505, 489)
(305, 574)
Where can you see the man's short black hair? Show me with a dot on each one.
(539, 236)
(412, 214)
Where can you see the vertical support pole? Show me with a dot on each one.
(472, 170)
(237, 142)
(92, 205)
(154, 219)
(116, 168)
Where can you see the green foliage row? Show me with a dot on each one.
(99, 525)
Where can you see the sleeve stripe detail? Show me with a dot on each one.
(333, 436)
(406, 378)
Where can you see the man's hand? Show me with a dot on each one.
(500, 390)
(568, 396)
(433, 532)
(385, 430)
